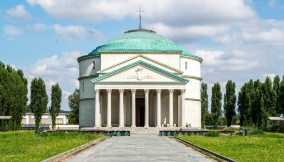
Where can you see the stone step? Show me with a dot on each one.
(153, 131)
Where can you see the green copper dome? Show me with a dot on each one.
(140, 40)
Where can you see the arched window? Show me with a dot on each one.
(185, 65)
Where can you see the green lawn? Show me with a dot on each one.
(267, 147)
(25, 146)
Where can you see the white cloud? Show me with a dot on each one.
(167, 11)
(73, 32)
(11, 30)
(18, 12)
(179, 19)
(270, 75)
(189, 32)
(40, 27)
(221, 61)
(61, 69)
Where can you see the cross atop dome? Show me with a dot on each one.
(140, 17)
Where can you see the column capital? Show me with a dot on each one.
(97, 90)
(133, 91)
(182, 90)
(171, 90)
(146, 91)
(109, 90)
(121, 90)
(158, 90)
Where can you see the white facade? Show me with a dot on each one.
(140, 89)
(61, 119)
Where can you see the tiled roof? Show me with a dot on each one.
(141, 40)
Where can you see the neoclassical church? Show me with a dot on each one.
(140, 79)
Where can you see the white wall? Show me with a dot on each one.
(193, 88)
(87, 113)
(86, 88)
(144, 58)
(108, 60)
(193, 67)
(193, 113)
(86, 66)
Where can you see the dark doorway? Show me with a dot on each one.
(140, 112)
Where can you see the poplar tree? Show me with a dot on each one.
(216, 103)
(256, 107)
(244, 105)
(281, 97)
(56, 95)
(13, 96)
(276, 88)
(269, 97)
(204, 104)
(230, 102)
(39, 100)
(261, 115)
(73, 101)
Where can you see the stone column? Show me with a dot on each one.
(121, 108)
(158, 107)
(146, 108)
(171, 110)
(133, 112)
(109, 107)
(27, 119)
(182, 108)
(97, 109)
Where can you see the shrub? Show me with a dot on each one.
(257, 132)
(213, 134)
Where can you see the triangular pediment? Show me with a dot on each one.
(140, 71)
(140, 58)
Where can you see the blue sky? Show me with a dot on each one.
(239, 40)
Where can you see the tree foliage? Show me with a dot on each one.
(39, 100)
(216, 103)
(204, 104)
(56, 95)
(281, 97)
(73, 101)
(230, 102)
(257, 101)
(13, 96)
(276, 88)
(269, 97)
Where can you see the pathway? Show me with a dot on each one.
(139, 148)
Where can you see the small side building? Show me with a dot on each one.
(61, 119)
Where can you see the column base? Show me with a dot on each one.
(133, 126)
(121, 126)
(146, 126)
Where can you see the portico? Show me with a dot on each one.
(167, 111)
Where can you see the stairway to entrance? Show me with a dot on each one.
(142, 130)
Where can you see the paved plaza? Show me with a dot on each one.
(139, 148)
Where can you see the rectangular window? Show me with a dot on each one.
(185, 65)
(83, 87)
